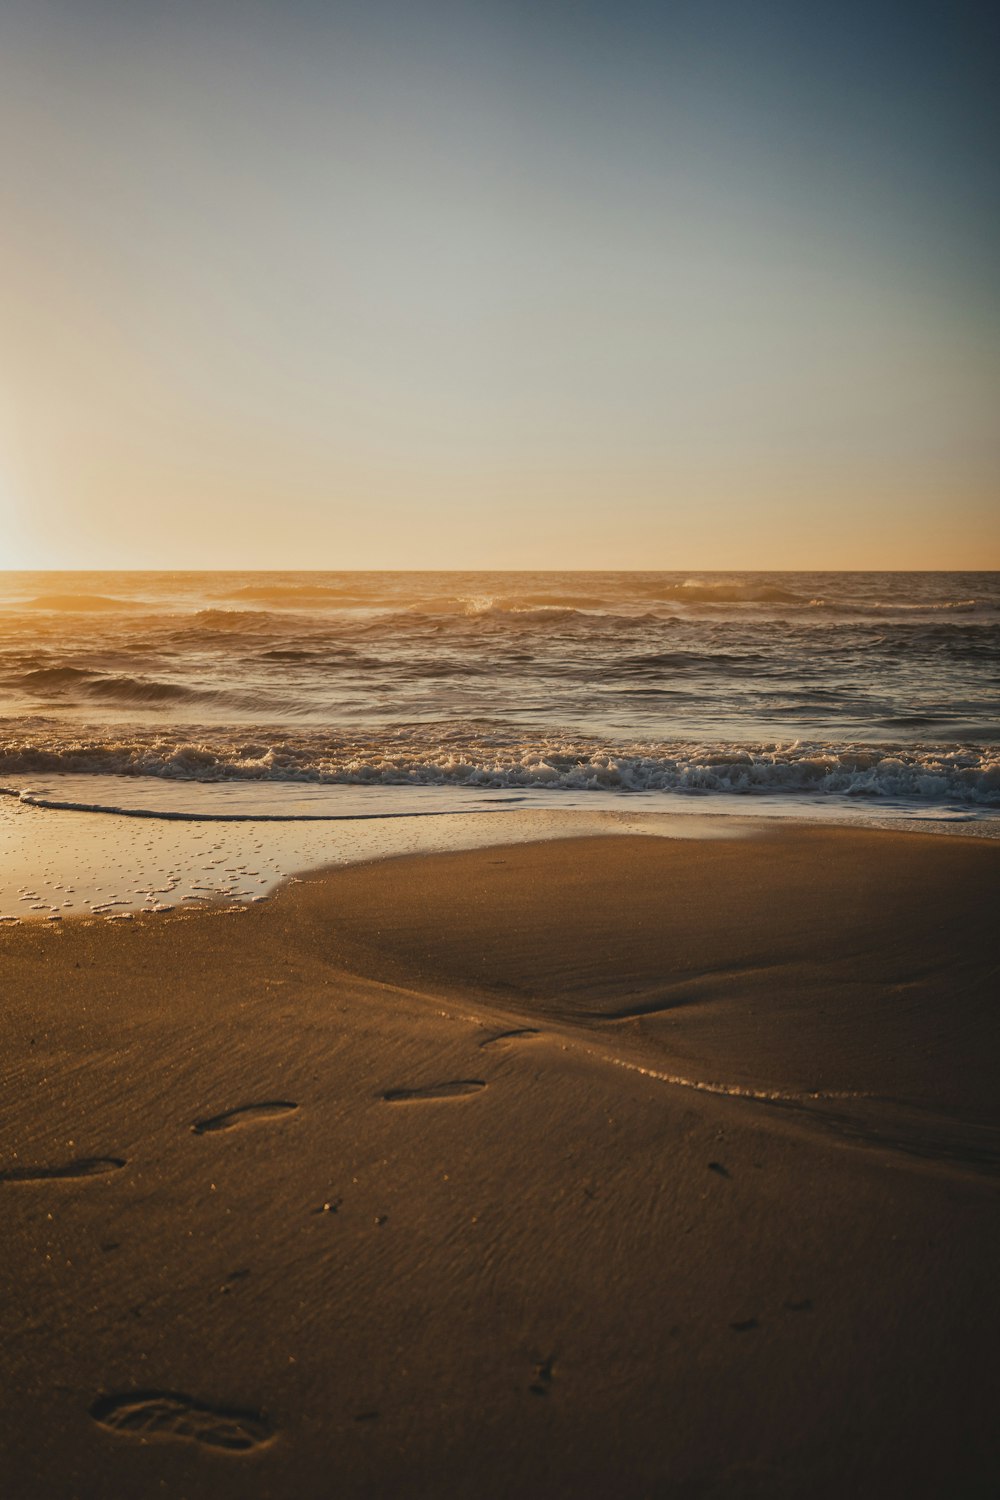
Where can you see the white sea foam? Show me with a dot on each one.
(967, 776)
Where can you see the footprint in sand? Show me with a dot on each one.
(452, 1090)
(542, 1382)
(510, 1036)
(268, 1109)
(84, 1166)
(170, 1414)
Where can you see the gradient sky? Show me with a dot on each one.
(707, 284)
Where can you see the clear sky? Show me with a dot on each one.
(700, 283)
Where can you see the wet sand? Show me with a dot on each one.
(606, 1166)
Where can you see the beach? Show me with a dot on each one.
(617, 1166)
(499, 752)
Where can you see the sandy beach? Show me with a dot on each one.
(616, 1166)
(499, 751)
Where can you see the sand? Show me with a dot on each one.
(616, 1166)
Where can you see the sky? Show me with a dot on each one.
(707, 284)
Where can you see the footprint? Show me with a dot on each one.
(543, 1377)
(509, 1036)
(84, 1166)
(267, 1110)
(452, 1090)
(169, 1414)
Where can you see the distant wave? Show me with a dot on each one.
(315, 606)
(113, 689)
(932, 607)
(354, 596)
(694, 591)
(138, 690)
(878, 607)
(301, 593)
(230, 619)
(291, 654)
(77, 603)
(967, 775)
(75, 685)
(473, 605)
(661, 602)
(472, 617)
(52, 677)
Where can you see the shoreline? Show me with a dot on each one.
(585, 1166)
(66, 862)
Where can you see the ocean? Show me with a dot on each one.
(881, 689)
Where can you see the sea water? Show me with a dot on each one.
(331, 697)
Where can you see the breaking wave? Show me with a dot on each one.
(966, 776)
